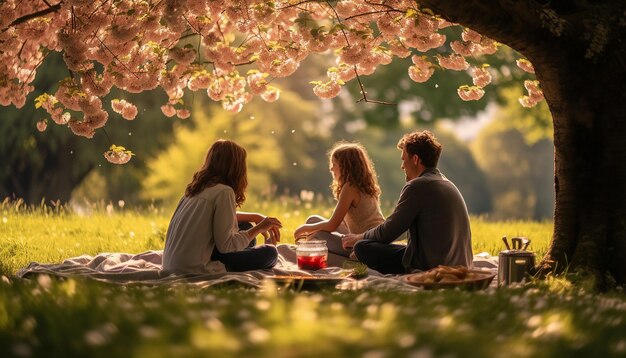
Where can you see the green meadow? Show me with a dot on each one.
(50, 317)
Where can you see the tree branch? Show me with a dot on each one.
(361, 86)
(40, 13)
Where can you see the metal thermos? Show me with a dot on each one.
(515, 264)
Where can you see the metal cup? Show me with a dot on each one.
(515, 264)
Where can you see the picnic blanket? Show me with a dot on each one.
(146, 268)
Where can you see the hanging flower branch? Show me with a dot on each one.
(140, 45)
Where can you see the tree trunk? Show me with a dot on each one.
(53, 178)
(587, 99)
(588, 105)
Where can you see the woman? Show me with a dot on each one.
(203, 234)
(356, 190)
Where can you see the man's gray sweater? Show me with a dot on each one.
(433, 211)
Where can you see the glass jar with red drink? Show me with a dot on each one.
(312, 254)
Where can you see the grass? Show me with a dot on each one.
(80, 317)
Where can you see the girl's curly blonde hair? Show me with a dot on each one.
(355, 167)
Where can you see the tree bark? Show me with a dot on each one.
(588, 105)
(587, 99)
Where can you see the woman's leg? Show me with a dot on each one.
(250, 258)
(384, 258)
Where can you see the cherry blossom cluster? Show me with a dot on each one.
(230, 49)
(535, 95)
(525, 65)
(421, 70)
(126, 109)
(118, 154)
(470, 93)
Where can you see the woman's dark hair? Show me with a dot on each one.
(225, 163)
(424, 144)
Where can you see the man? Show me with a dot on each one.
(430, 208)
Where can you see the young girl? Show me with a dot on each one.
(204, 234)
(356, 190)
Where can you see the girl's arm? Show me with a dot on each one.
(348, 196)
(250, 217)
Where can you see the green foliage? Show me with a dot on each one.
(53, 163)
(535, 124)
(518, 164)
(278, 149)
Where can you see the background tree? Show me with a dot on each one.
(515, 151)
(457, 163)
(281, 155)
(52, 164)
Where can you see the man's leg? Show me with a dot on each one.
(384, 258)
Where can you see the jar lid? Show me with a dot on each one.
(311, 242)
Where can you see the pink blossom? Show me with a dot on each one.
(470, 35)
(442, 24)
(118, 155)
(184, 55)
(388, 25)
(398, 49)
(216, 91)
(453, 62)
(233, 106)
(58, 116)
(82, 129)
(96, 85)
(470, 93)
(327, 90)
(199, 80)
(420, 75)
(424, 26)
(257, 83)
(463, 48)
(344, 73)
(96, 119)
(480, 76)
(352, 55)
(168, 110)
(422, 69)
(42, 125)
(271, 94)
(535, 94)
(425, 43)
(183, 113)
(125, 108)
(525, 65)
(129, 112)
(486, 47)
